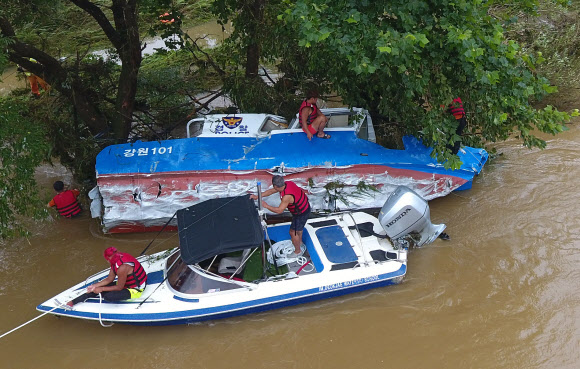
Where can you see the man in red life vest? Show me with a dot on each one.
(131, 279)
(295, 199)
(456, 109)
(65, 201)
(311, 119)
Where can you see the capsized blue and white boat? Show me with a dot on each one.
(229, 262)
(141, 185)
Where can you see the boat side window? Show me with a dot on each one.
(337, 121)
(363, 131)
(186, 279)
(273, 125)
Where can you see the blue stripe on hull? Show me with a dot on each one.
(277, 305)
(236, 309)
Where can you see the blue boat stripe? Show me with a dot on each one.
(237, 308)
(185, 299)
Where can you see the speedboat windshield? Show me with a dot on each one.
(190, 280)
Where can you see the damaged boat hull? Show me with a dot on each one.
(141, 185)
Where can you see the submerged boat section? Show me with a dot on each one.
(141, 185)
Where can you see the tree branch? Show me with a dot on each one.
(98, 15)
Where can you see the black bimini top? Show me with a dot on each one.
(218, 226)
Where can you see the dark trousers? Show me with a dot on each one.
(461, 125)
(109, 295)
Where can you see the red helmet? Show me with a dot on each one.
(109, 251)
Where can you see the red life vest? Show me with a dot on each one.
(300, 204)
(67, 204)
(456, 108)
(312, 115)
(138, 278)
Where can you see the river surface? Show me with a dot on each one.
(504, 292)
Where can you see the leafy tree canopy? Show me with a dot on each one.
(405, 59)
(22, 149)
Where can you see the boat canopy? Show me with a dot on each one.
(218, 226)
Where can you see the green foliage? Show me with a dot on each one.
(23, 147)
(404, 59)
(554, 36)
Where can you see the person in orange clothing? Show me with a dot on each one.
(66, 202)
(34, 80)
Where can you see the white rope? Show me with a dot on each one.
(100, 319)
(303, 261)
(30, 321)
(281, 251)
(59, 304)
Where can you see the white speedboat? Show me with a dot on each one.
(229, 262)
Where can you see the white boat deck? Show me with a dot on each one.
(342, 261)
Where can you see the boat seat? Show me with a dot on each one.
(230, 264)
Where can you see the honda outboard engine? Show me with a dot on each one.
(405, 217)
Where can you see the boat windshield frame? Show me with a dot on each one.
(188, 276)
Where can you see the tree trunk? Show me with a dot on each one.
(124, 37)
(56, 76)
(256, 13)
(125, 16)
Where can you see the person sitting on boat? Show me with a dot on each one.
(311, 118)
(66, 202)
(295, 199)
(131, 279)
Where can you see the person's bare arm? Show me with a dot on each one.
(110, 278)
(122, 273)
(306, 111)
(266, 193)
(286, 200)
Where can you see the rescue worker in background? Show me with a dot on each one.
(295, 199)
(311, 118)
(456, 109)
(34, 80)
(131, 279)
(66, 202)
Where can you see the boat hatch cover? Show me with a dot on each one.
(218, 226)
(336, 246)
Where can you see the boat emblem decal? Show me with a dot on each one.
(232, 123)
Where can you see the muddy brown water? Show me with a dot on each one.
(502, 293)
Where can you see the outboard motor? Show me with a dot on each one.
(405, 217)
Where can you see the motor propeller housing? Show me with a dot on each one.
(405, 217)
